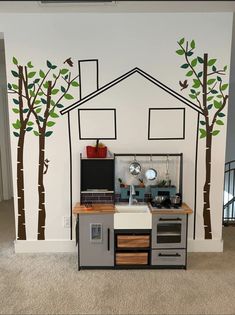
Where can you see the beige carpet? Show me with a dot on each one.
(51, 284)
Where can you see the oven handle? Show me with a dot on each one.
(174, 219)
(169, 255)
(108, 239)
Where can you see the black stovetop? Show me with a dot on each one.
(164, 205)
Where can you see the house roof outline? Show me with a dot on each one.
(125, 76)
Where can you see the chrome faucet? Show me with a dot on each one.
(132, 193)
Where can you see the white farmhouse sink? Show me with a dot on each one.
(132, 217)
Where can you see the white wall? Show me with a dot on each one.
(120, 42)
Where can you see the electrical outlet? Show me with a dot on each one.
(66, 222)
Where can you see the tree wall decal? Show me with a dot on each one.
(39, 99)
(209, 91)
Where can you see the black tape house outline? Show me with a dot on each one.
(109, 85)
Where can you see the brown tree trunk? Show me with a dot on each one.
(20, 165)
(207, 187)
(20, 187)
(41, 188)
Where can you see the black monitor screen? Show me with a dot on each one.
(97, 174)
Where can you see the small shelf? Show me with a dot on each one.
(168, 234)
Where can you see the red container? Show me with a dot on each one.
(94, 152)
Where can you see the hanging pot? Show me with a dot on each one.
(151, 173)
(135, 168)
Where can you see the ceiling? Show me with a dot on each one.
(117, 6)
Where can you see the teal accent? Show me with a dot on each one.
(156, 189)
(140, 192)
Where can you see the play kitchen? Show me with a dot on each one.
(132, 213)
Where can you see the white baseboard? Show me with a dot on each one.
(63, 246)
(205, 245)
(52, 246)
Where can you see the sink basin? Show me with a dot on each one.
(132, 217)
(132, 209)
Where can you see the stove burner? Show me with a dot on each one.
(166, 205)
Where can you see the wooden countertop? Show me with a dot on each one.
(102, 208)
(185, 209)
(95, 208)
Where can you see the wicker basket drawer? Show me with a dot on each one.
(133, 241)
(132, 258)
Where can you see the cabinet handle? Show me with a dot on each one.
(108, 239)
(174, 219)
(169, 255)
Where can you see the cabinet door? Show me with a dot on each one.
(169, 231)
(96, 240)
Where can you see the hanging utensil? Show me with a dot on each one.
(135, 167)
(168, 181)
(151, 173)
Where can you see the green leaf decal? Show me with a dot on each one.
(192, 44)
(25, 110)
(210, 106)
(54, 91)
(211, 62)
(180, 52)
(202, 133)
(75, 83)
(32, 94)
(16, 101)
(189, 74)
(211, 81)
(199, 74)
(16, 110)
(193, 91)
(31, 74)
(40, 93)
(219, 79)
(219, 96)
(38, 110)
(59, 105)
(214, 91)
(225, 68)
(36, 133)
(64, 71)
(215, 132)
(46, 84)
(41, 74)
(68, 97)
(194, 62)
(200, 60)
(30, 123)
(224, 87)
(217, 104)
(9, 86)
(209, 98)
(50, 123)
(54, 115)
(63, 90)
(17, 124)
(48, 133)
(49, 64)
(30, 86)
(15, 61)
(40, 118)
(15, 74)
(29, 128)
(37, 102)
(184, 66)
(219, 122)
(202, 122)
(15, 86)
(181, 41)
(221, 114)
(36, 80)
(16, 134)
(196, 84)
(193, 96)
(214, 68)
(53, 67)
(43, 101)
(29, 64)
(189, 53)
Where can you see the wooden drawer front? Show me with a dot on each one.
(168, 257)
(131, 241)
(131, 258)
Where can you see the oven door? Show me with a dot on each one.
(169, 231)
